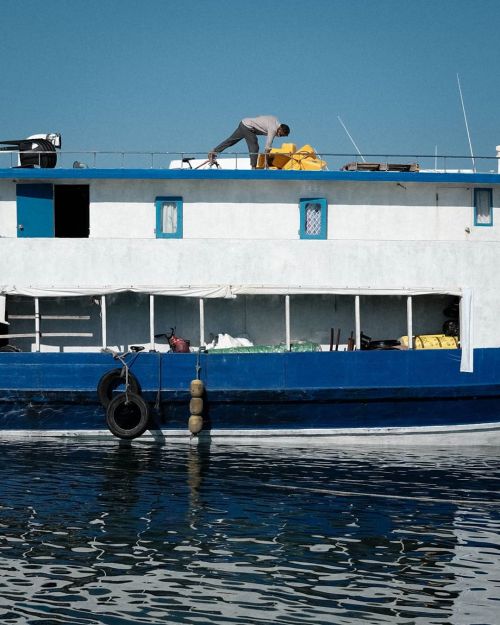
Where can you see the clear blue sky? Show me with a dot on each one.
(165, 75)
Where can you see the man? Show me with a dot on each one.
(248, 129)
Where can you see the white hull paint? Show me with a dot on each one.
(481, 434)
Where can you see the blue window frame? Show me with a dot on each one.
(313, 218)
(483, 207)
(169, 218)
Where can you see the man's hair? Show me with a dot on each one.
(285, 129)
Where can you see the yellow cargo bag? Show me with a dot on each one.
(432, 341)
(288, 157)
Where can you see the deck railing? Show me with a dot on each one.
(99, 159)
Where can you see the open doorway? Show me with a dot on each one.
(71, 211)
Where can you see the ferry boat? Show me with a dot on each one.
(184, 300)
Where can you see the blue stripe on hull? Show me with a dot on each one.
(264, 391)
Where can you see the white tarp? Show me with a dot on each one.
(220, 291)
(2, 309)
(466, 331)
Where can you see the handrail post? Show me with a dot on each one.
(357, 319)
(37, 324)
(103, 321)
(287, 323)
(409, 320)
(152, 322)
(202, 322)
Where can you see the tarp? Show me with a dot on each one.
(2, 308)
(218, 290)
(466, 331)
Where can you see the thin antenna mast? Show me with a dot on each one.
(466, 125)
(352, 140)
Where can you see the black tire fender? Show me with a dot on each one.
(127, 415)
(112, 380)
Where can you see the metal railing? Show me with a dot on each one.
(103, 159)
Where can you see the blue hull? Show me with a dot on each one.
(319, 391)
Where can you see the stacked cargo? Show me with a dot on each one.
(287, 157)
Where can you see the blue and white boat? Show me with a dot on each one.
(291, 269)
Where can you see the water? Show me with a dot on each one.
(112, 534)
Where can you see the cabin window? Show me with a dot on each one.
(483, 207)
(47, 210)
(169, 217)
(313, 215)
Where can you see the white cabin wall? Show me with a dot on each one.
(8, 212)
(270, 210)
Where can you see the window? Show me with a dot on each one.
(313, 218)
(483, 207)
(168, 217)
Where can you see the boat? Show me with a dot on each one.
(181, 301)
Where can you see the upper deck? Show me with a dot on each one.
(94, 165)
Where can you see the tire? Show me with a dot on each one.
(127, 416)
(112, 380)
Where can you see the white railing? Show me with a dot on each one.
(99, 159)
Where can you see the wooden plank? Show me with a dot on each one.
(52, 317)
(44, 334)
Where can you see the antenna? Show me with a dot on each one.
(352, 140)
(466, 125)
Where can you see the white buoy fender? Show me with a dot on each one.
(196, 405)
(195, 423)
(196, 388)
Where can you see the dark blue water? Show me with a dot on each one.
(110, 534)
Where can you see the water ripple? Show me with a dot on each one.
(118, 534)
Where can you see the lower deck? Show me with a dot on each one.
(89, 323)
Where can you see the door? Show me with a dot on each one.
(35, 210)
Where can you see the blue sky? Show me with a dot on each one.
(165, 75)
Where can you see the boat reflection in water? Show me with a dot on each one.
(127, 533)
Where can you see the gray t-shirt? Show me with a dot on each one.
(263, 125)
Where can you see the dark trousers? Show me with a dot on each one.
(242, 132)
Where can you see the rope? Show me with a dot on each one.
(158, 394)
(126, 367)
